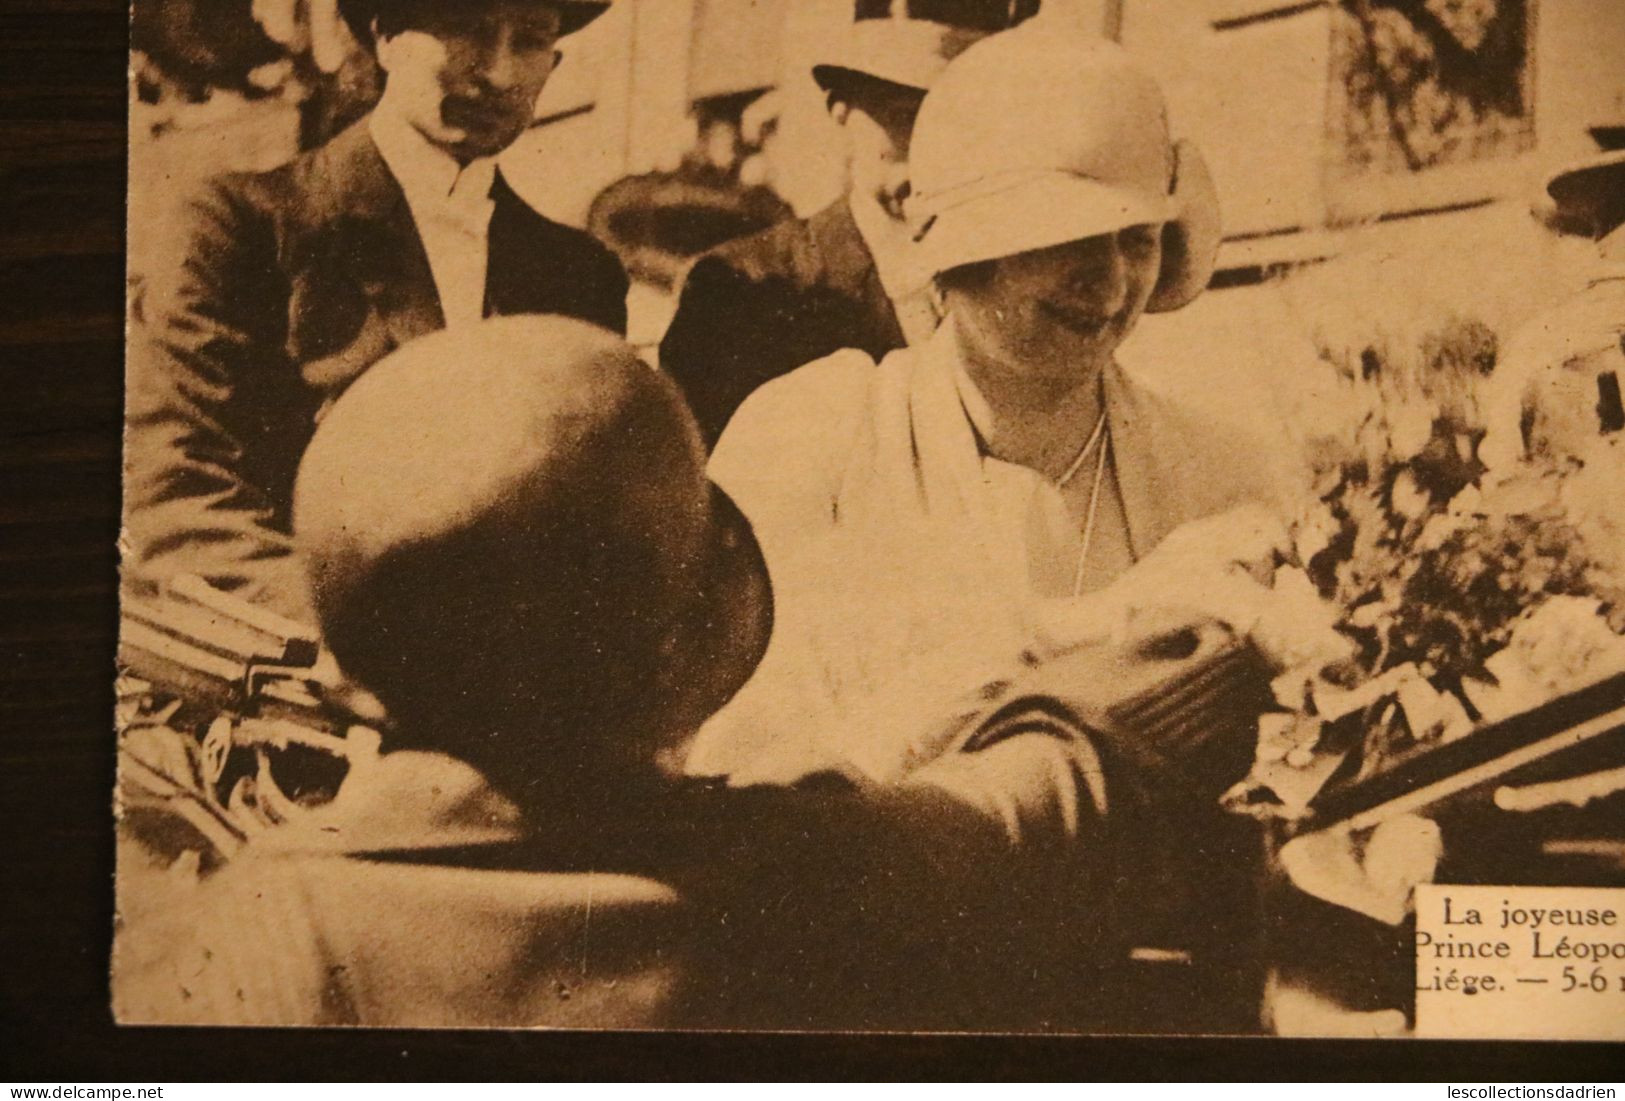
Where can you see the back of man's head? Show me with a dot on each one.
(501, 525)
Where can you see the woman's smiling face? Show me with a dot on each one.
(1058, 314)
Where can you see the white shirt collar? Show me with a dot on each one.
(451, 207)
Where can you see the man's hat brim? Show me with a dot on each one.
(1581, 190)
(575, 14)
(908, 52)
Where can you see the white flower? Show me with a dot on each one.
(1407, 498)
(1560, 645)
(1314, 531)
(1410, 427)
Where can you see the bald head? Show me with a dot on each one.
(502, 524)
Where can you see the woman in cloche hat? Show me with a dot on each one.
(919, 511)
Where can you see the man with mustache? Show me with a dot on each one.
(275, 291)
(760, 307)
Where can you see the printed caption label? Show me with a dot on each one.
(1533, 963)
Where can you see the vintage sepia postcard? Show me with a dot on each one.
(1021, 516)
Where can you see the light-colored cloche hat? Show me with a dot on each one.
(1035, 138)
(911, 42)
(574, 14)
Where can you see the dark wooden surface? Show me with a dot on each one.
(62, 178)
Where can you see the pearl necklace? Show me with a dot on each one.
(1102, 437)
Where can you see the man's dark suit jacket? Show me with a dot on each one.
(275, 291)
(760, 307)
(427, 898)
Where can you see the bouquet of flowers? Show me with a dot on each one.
(1465, 595)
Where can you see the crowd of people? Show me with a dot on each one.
(798, 682)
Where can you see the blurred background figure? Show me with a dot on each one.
(657, 222)
(1555, 396)
(232, 85)
(297, 54)
(843, 278)
(272, 292)
(759, 128)
(319, 46)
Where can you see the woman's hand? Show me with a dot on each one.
(1249, 537)
(1224, 571)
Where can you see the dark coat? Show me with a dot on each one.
(275, 291)
(762, 306)
(427, 899)
(994, 896)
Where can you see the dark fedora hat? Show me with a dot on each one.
(1590, 194)
(359, 14)
(910, 42)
